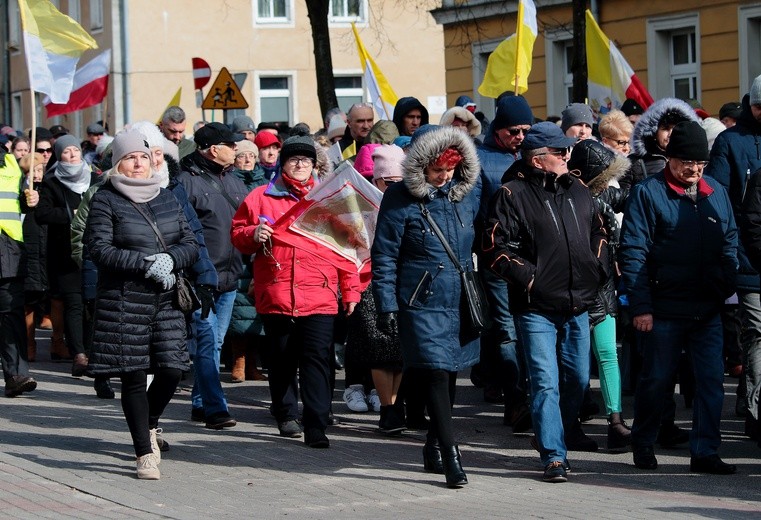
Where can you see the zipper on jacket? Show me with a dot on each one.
(573, 212)
(552, 214)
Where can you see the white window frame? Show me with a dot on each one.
(748, 35)
(290, 92)
(480, 52)
(347, 92)
(96, 15)
(17, 110)
(278, 22)
(661, 72)
(14, 27)
(555, 46)
(345, 20)
(75, 10)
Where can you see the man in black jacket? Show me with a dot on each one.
(546, 238)
(215, 194)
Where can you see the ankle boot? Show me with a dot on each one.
(619, 434)
(31, 342)
(238, 348)
(450, 457)
(432, 457)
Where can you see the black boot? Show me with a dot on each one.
(432, 457)
(390, 422)
(619, 434)
(450, 457)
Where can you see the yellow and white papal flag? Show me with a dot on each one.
(53, 43)
(382, 95)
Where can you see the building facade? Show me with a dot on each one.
(707, 51)
(265, 44)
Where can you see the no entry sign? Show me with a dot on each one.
(201, 73)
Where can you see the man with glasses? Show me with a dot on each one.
(215, 193)
(679, 262)
(545, 237)
(500, 368)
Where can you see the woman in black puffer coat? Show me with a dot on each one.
(137, 327)
(601, 169)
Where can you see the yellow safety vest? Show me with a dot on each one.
(10, 208)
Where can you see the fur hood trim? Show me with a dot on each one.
(614, 171)
(648, 123)
(426, 148)
(448, 117)
(323, 165)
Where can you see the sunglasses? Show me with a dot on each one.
(43, 150)
(558, 153)
(516, 131)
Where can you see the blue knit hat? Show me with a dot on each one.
(512, 111)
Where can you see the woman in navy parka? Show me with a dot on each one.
(416, 283)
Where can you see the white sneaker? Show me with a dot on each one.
(355, 398)
(148, 467)
(374, 400)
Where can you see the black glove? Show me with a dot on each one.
(386, 323)
(206, 295)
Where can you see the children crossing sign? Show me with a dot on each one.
(224, 94)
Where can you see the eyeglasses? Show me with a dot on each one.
(562, 152)
(690, 164)
(296, 161)
(516, 131)
(43, 150)
(247, 155)
(619, 143)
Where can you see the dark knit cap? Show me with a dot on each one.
(298, 145)
(576, 113)
(733, 110)
(512, 111)
(632, 108)
(688, 141)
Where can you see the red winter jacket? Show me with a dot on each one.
(287, 280)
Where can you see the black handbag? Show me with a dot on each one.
(185, 298)
(474, 310)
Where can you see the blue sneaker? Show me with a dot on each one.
(555, 472)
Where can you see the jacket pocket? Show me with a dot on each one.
(422, 290)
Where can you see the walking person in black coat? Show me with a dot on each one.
(138, 330)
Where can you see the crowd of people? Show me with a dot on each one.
(630, 237)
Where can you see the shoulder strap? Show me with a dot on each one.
(437, 231)
(217, 186)
(152, 224)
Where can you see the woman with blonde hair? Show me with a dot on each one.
(616, 131)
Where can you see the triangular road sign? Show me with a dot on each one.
(224, 94)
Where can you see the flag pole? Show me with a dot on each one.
(105, 112)
(32, 144)
(518, 24)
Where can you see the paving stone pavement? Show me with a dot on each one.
(64, 453)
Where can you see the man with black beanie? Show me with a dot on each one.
(678, 259)
(500, 367)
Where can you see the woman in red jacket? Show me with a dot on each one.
(296, 292)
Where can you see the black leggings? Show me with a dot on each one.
(439, 387)
(142, 408)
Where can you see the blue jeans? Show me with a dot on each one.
(209, 334)
(499, 348)
(661, 349)
(556, 349)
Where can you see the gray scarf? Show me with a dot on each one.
(76, 177)
(136, 190)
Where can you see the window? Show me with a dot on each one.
(673, 57)
(749, 36)
(17, 110)
(273, 11)
(347, 11)
(481, 52)
(14, 26)
(349, 91)
(275, 99)
(75, 10)
(96, 15)
(559, 57)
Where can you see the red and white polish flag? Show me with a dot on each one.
(90, 86)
